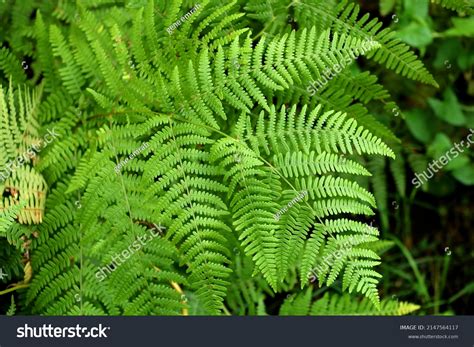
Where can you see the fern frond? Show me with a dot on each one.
(253, 203)
(7, 217)
(328, 132)
(325, 259)
(19, 137)
(296, 164)
(188, 202)
(11, 66)
(457, 5)
(331, 304)
(394, 54)
(246, 292)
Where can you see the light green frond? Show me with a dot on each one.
(332, 304)
(253, 204)
(394, 54)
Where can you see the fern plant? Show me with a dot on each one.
(229, 138)
(342, 305)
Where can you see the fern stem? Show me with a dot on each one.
(20, 286)
(177, 287)
(226, 311)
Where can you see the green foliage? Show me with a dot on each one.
(209, 132)
(431, 124)
(342, 305)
